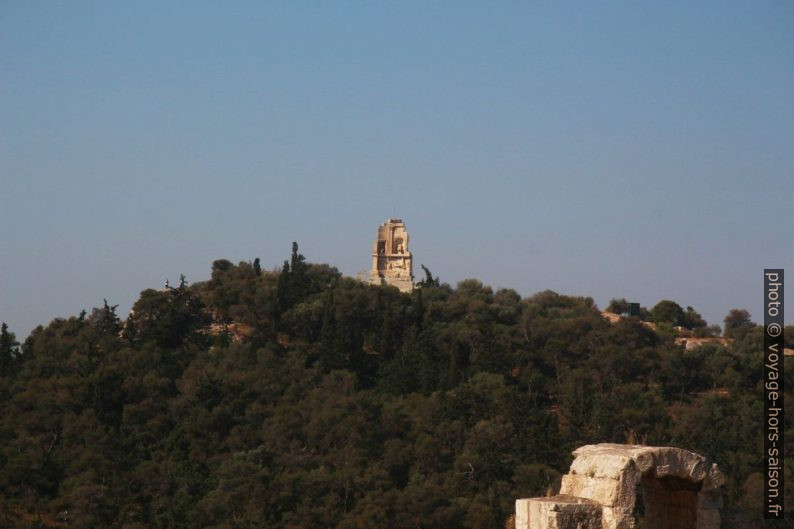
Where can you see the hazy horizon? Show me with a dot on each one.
(612, 150)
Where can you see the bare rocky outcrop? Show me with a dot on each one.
(678, 488)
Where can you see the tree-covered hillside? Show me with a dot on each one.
(304, 399)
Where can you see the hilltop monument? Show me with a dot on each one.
(392, 263)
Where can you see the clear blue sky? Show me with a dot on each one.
(607, 149)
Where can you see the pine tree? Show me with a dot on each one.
(9, 350)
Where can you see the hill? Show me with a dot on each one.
(302, 398)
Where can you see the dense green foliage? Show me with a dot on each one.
(301, 398)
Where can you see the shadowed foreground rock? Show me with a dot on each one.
(678, 490)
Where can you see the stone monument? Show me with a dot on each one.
(603, 487)
(392, 263)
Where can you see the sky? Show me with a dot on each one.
(630, 149)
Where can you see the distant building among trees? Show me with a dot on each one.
(392, 263)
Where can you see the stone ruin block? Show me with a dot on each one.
(610, 492)
(617, 518)
(558, 512)
(679, 491)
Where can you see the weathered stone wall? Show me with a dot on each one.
(679, 491)
(558, 512)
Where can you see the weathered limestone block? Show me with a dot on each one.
(643, 458)
(606, 491)
(601, 461)
(558, 512)
(679, 463)
(714, 479)
(616, 518)
(679, 490)
(522, 513)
